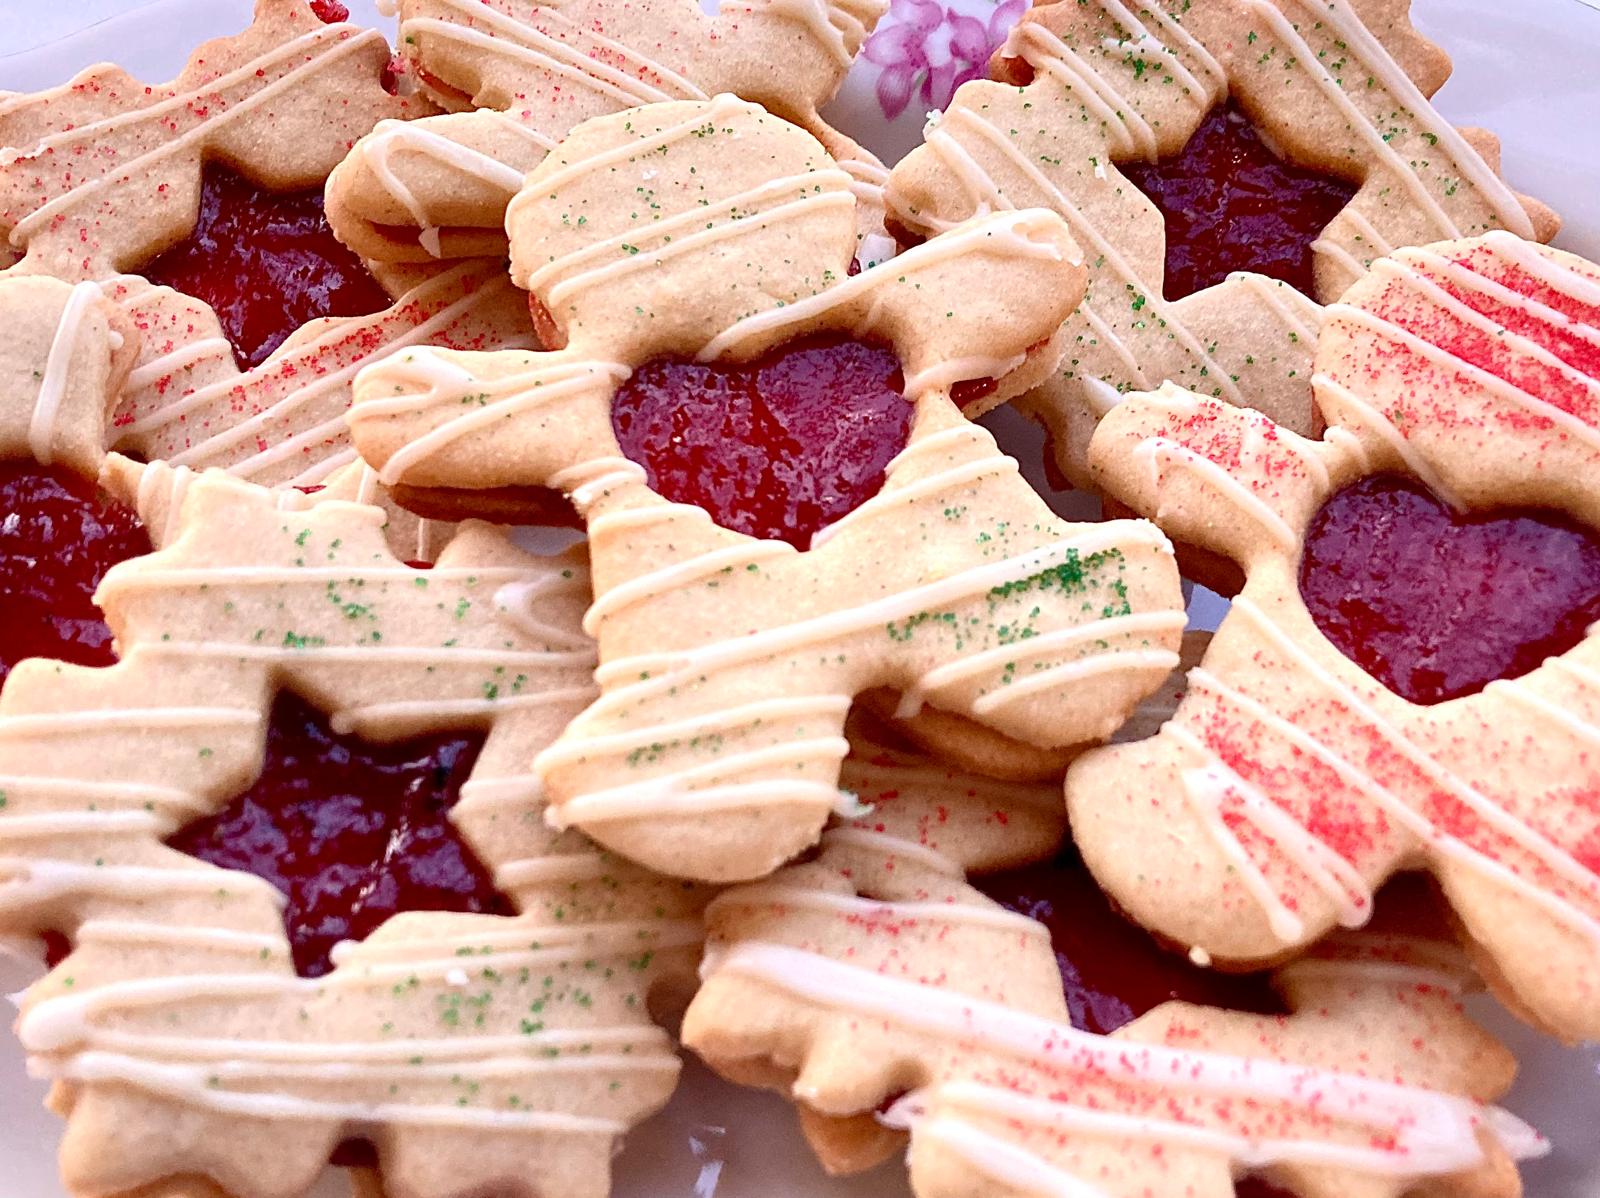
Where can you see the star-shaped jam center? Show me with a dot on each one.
(266, 262)
(1231, 204)
(350, 832)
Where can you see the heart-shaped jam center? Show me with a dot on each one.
(350, 832)
(266, 262)
(1436, 604)
(777, 448)
(1112, 971)
(1231, 204)
(59, 534)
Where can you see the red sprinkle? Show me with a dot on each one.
(267, 263)
(330, 12)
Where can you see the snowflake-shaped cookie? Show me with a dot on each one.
(472, 1050)
(1081, 87)
(1291, 781)
(729, 663)
(104, 172)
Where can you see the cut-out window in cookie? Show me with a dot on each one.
(66, 353)
(1228, 203)
(730, 662)
(266, 263)
(438, 188)
(455, 1043)
(349, 833)
(1446, 522)
(1081, 89)
(885, 994)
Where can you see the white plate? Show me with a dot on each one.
(718, 1140)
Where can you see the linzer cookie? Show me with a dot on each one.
(308, 892)
(1092, 102)
(238, 366)
(1411, 675)
(104, 172)
(785, 505)
(885, 994)
(534, 70)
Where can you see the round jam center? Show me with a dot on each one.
(266, 262)
(59, 534)
(1231, 204)
(1435, 604)
(351, 833)
(1111, 970)
(777, 448)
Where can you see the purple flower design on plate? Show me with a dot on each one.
(926, 48)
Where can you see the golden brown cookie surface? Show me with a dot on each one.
(729, 662)
(1298, 773)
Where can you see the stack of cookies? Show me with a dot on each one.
(501, 578)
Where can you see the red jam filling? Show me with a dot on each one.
(350, 832)
(1435, 604)
(59, 534)
(777, 448)
(266, 262)
(1111, 970)
(1231, 204)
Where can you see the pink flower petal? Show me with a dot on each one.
(894, 89)
(969, 40)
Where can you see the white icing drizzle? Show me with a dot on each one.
(378, 148)
(1493, 383)
(668, 670)
(996, 1158)
(1550, 856)
(523, 43)
(185, 354)
(169, 1034)
(1100, 247)
(58, 363)
(1348, 30)
(1425, 262)
(439, 382)
(330, 44)
(1015, 234)
(1093, 632)
(1217, 787)
(879, 911)
(254, 423)
(850, 838)
(1041, 49)
(1103, 1084)
(557, 281)
(832, 26)
(891, 500)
